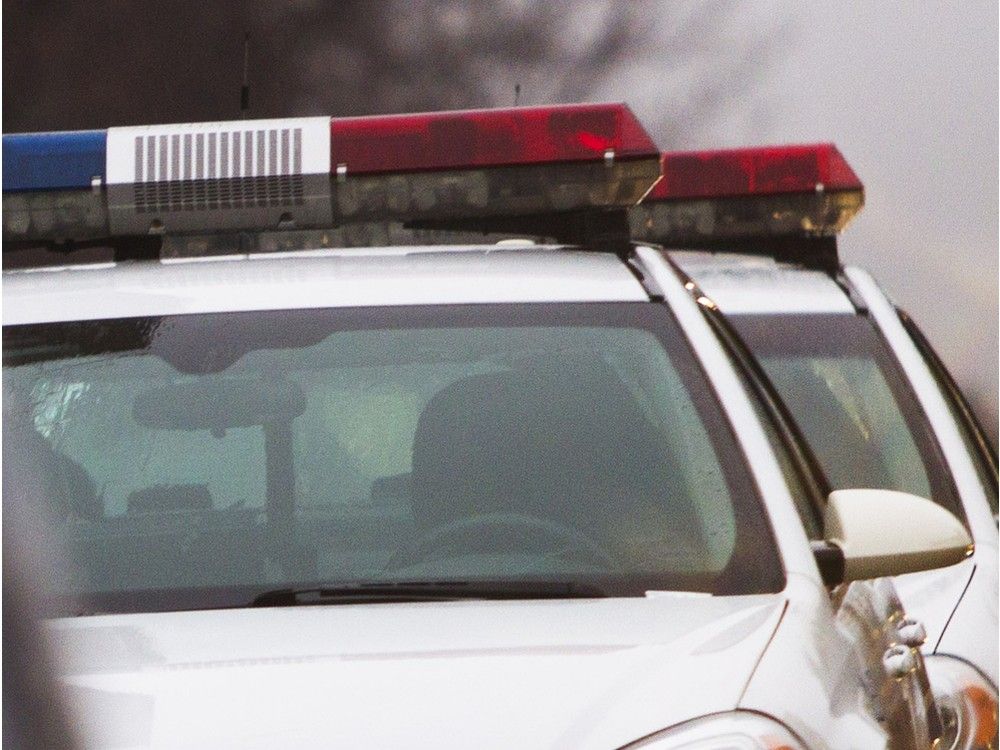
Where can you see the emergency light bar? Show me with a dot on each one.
(743, 196)
(316, 172)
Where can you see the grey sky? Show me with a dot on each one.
(908, 91)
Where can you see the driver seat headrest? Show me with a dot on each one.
(561, 439)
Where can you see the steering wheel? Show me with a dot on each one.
(469, 534)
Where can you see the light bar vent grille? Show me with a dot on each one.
(203, 195)
(212, 170)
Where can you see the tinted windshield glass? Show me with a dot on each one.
(240, 451)
(851, 402)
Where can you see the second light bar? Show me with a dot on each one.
(715, 198)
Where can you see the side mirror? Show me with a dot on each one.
(888, 533)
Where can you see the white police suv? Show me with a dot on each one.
(468, 496)
(868, 393)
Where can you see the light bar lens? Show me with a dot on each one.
(487, 138)
(53, 161)
(710, 198)
(55, 214)
(754, 171)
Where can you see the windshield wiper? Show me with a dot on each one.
(422, 591)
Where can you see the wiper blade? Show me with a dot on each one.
(421, 591)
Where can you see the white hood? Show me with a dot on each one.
(568, 674)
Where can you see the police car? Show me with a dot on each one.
(869, 394)
(483, 495)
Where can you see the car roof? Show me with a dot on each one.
(749, 284)
(326, 278)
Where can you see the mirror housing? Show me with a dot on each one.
(889, 533)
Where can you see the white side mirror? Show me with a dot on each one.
(887, 533)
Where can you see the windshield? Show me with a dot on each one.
(852, 404)
(193, 460)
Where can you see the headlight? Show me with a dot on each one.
(734, 731)
(967, 702)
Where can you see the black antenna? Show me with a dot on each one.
(245, 91)
(517, 93)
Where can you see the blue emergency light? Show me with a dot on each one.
(54, 161)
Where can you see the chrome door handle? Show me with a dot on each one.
(912, 633)
(899, 661)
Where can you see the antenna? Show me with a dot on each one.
(245, 91)
(517, 93)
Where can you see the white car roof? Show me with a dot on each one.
(327, 278)
(751, 284)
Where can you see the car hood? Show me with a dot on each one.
(577, 673)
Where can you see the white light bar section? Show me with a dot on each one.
(218, 150)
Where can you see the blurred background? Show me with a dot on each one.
(908, 91)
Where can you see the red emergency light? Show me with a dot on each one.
(477, 139)
(708, 197)
(754, 171)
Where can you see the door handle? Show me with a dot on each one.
(912, 633)
(899, 661)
